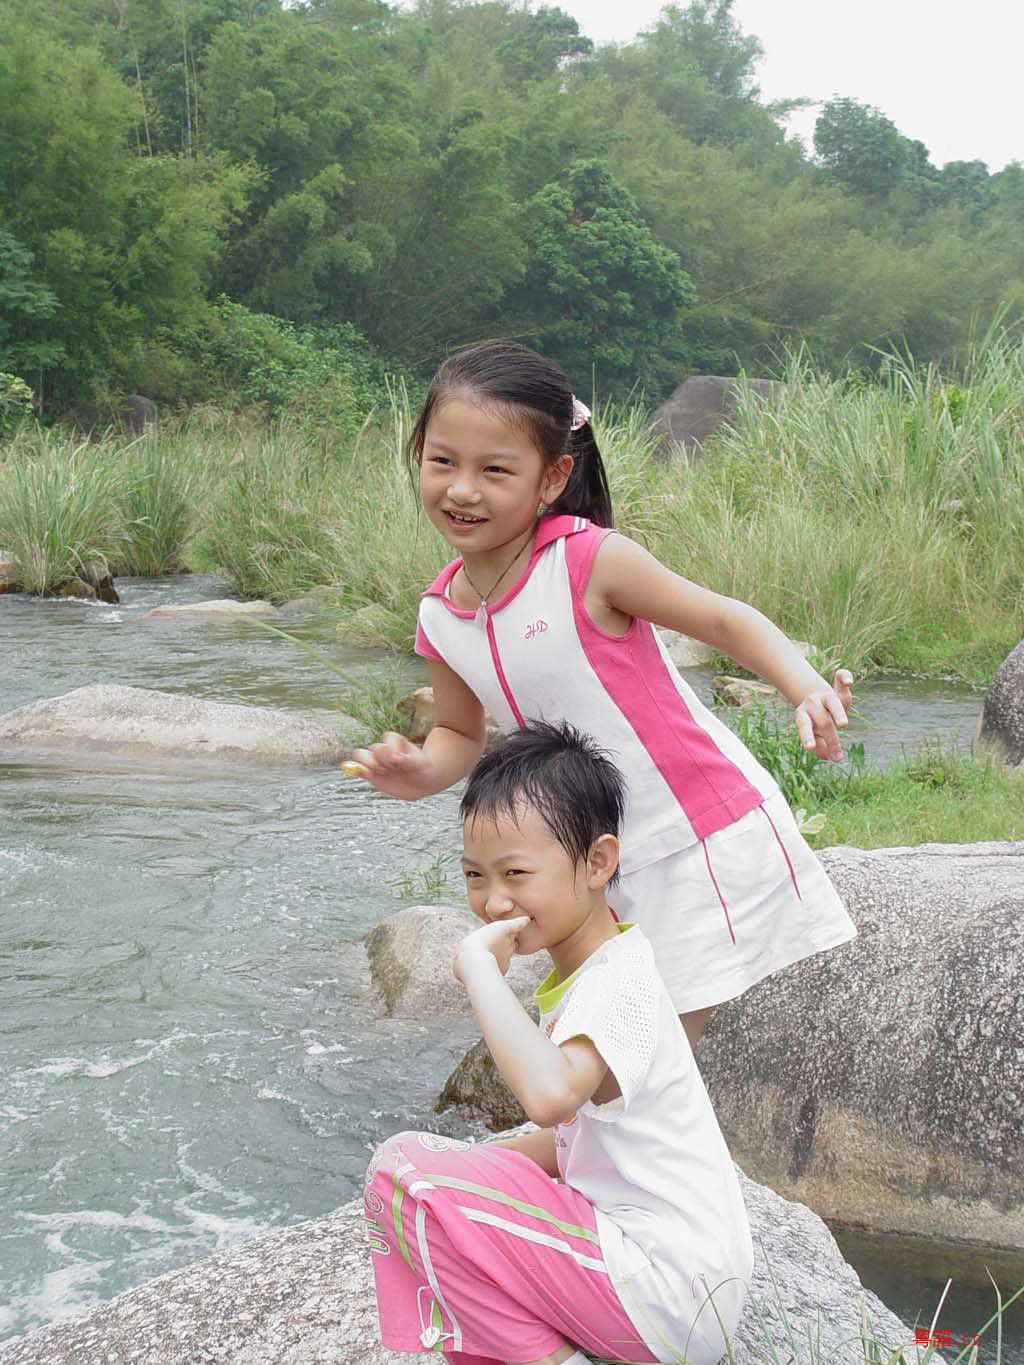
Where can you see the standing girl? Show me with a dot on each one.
(548, 613)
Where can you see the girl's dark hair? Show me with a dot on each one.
(530, 392)
(560, 773)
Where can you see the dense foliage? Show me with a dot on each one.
(421, 176)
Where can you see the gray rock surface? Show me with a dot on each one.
(418, 709)
(1002, 716)
(684, 652)
(222, 606)
(700, 405)
(411, 955)
(135, 722)
(882, 1083)
(305, 1296)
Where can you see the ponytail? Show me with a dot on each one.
(586, 494)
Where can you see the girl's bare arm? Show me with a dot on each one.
(403, 769)
(630, 580)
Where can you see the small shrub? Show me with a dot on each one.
(17, 403)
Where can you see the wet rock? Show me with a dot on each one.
(418, 708)
(215, 607)
(9, 585)
(477, 1089)
(1002, 716)
(700, 405)
(99, 578)
(367, 628)
(743, 691)
(882, 1083)
(411, 955)
(135, 722)
(304, 1296)
(76, 587)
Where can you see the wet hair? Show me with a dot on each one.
(560, 773)
(532, 393)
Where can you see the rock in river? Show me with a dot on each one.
(411, 955)
(221, 606)
(135, 722)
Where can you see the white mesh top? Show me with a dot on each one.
(653, 1161)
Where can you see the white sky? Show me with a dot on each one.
(942, 70)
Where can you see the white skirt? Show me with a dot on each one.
(732, 909)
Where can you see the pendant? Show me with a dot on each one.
(481, 616)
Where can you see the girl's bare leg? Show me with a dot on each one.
(695, 1022)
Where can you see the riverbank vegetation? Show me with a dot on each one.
(881, 517)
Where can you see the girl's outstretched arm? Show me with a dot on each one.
(403, 769)
(626, 579)
(550, 1082)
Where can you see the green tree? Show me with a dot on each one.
(858, 145)
(600, 293)
(27, 307)
(124, 244)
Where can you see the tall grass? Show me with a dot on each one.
(58, 509)
(882, 519)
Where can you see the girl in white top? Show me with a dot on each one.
(640, 1251)
(549, 614)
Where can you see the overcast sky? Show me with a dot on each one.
(942, 70)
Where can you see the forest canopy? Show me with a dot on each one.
(384, 183)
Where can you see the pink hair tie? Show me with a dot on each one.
(581, 414)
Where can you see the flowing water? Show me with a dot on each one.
(190, 1052)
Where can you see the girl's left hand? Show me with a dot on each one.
(499, 940)
(821, 712)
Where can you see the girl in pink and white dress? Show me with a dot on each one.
(549, 613)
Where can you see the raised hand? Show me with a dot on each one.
(498, 939)
(821, 715)
(396, 766)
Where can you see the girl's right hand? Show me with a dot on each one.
(396, 766)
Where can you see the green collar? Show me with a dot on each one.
(551, 990)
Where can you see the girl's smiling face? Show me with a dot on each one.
(482, 478)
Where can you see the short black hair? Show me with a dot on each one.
(560, 773)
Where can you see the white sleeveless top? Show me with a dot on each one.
(540, 656)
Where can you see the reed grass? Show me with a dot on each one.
(882, 519)
(58, 509)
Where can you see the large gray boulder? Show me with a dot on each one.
(700, 405)
(1002, 716)
(880, 1083)
(411, 955)
(135, 722)
(305, 1296)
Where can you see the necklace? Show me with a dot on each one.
(481, 612)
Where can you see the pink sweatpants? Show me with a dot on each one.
(481, 1255)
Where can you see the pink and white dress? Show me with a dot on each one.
(713, 867)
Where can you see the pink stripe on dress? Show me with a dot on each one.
(709, 787)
